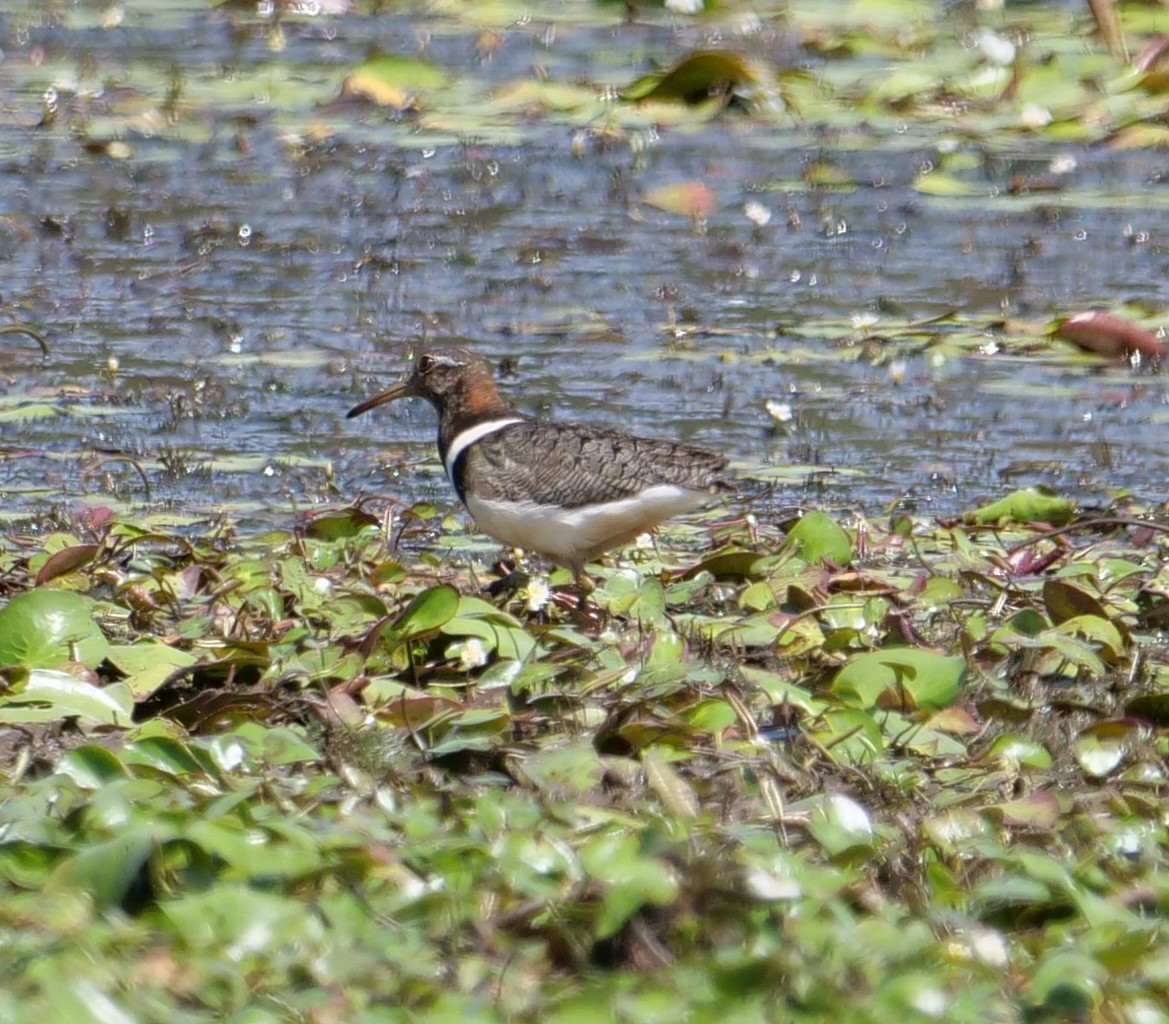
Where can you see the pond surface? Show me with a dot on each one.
(262, 254)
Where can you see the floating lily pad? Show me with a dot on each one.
(902, 677)
(1031, 505)
(392, 81)
(696, 78)
(42, 628)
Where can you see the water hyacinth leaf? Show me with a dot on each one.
(1038, 810)
(695, 78)
(42, 628)
(165, 754)
(781, 690)
(148, 664)
(712, 716)
(849, 736)
(1020, 750)
(108, 870)
(819, 537)
(65, 561)
(919, 738)
(91, 766)
(901, 677)
(1077, 654)
(1096, 630)
(48, 695)
(668, 648)
(498, 633)
(1102, 748)
(572, 768)
(253, 923)
(430, 610)
(342, 524)
(1064, 601)
(1029, 505)
(729, 563)
(1027, 622)
(757, 596)
(956, 829)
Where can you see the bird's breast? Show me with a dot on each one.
(571, 535)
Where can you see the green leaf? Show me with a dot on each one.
(42, 628)
(148, 664)
(901, 677)
(840, 824)
(343, 524)
(391, 81)
(1036, 810)
(1101, 749)
(107, 870)
(91, 766)
(820, 537)
(430, 610)
(1019, 750)
(1094, 629)
(850, 736)
(1029, 505)
(938, 183)
(48, 695)
(695, 78)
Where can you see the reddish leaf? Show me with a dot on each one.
(1110, 336)
(65, 561)
(687, 198)
(1063, 602)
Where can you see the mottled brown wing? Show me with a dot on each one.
(580, 465)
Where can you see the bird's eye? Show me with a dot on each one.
(425, 364)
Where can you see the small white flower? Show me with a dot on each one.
(863, 321)
(995, 48)
(844, 812)
(472, 654)
(930, 1002)
(757, 213)
(990, 947)
(536, 595)
(1034, 116)
(781, 412)
(1063, 164)
(768, 885)
(684, 6)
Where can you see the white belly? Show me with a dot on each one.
(571, 536)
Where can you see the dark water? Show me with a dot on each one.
(215, 302)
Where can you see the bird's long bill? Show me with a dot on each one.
(399, 390)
